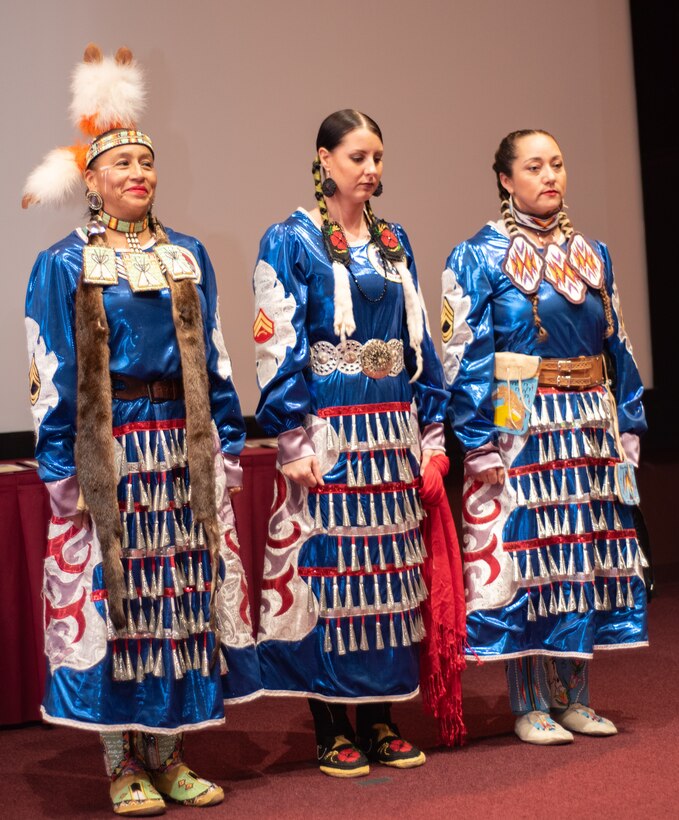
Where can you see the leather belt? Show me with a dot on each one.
(574, 374)
(128, 388)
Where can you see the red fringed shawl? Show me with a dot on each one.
(442, 654)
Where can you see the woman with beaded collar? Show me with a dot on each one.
(546, 401)
(352, 386)
(138, 434)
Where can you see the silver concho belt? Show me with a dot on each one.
(376, 359)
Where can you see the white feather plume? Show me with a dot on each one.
(111, 92)
(344, 324)
(54, 180)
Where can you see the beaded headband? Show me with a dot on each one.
(113, 139)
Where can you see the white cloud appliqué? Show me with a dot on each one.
(44, 394)
(453, 350)
(224, 361)
(270, 300)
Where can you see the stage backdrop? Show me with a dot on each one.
(237, 92)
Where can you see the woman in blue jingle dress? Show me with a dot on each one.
(138, 435)
(353, 388)
(546, 401)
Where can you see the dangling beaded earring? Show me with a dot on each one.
(329, 187)
(379, 190)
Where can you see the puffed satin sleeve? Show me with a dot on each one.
(469, 346)
(281, 340)
(224, 403)
(51, 351)
(627, 381)
(429, 390)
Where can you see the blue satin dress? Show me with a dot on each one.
(156, 676)
(552, 563)
(340, 613)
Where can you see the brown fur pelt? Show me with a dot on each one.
(94, 454)
(188, 323)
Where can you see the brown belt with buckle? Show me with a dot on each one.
(573, 374)
(129, 388)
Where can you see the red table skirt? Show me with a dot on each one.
(24, 516)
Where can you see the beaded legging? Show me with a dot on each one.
(538, 683)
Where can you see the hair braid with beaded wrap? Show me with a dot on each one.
(504, 158)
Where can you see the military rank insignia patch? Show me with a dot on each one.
(447, 320)
(34, 381)
(263, 328)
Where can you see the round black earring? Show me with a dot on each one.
(329, 187)
(94, 200)
(380, 188)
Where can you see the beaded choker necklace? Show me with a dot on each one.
(121, 225)
(535, 223)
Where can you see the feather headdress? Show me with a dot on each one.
(108, 95)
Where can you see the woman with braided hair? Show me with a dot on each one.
(138, 434)
(546, 401)
(352, 386)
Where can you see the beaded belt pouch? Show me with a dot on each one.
(375, 359)
(514, 389)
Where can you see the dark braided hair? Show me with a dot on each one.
(504, 160)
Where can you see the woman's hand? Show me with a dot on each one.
(494, 475)
(305, 471)
(426, 458)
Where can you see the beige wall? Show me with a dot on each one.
(237, 91)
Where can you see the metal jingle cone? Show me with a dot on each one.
(343, 443)
(563, 451)
(200, 535)
(367, 563)
(391, 432)
(373, 513)
(571, 561)
(149, 663)
(544, 493)
(619, 600)
(139, 668)
(398, 561)
(533, 499)
(187, 665)
(156, 534)
(363, 645)
(329, 438)
(606, 601)
(351, 478)
(579, 494)
(617, 523)
(408, 552)
(353, 643)
(375, 477)
(575, 447)
(341, 564)
(564, 495)
(141, 625)
(360, 514)
(516, 570)
(582, 600)
(379, 640)
(558, 416)
(341, 648)
(353, 438)
(393, 643)
(608, 559)
(542, 609)
(542, 566)
(152, 625)
(534, 422)
(545, 421)
(586, 562)
(323, 601)
(369, 437)
(605, 450)
(412, 596)
(200, 576)
(129, 669)
(195, 657)
(629, 559)
(528, 568)
(318, 520)
(398, 514)
(336, 603)
(175, 630)
(620, 564)
(408, 511)
(190, 572)
(201, 623)
(542, 455)
(587, 449)
(531, 616)
(553, 492)
(561, 607)
(405, 599)
(562, 561)
(568, 414)
(191, 619)
(131, 592)
(405, 637)
(630, 596)
(327, 640)
(381, 558)
(571, 606)
(183, 623)
(332, 522)
(386, 469)
(310, 599)
(549, 529)
(381, 438)
(362, 600)
(540, 524)
(348, 595)
(360, 473)
(129, 494)
(556, 526)
(579, 522)
(149, 465)
(594, 441)
(176, 664)
(204, 661)
(137, 449)
(606, 491)
(597, 599)
(595, 487)
(401, 461)
(520, 497)
(391, 604)
(377, 594)
(116, 665)
(159, 632)
(144, 499)
(355, 565)
(553, 569)
(553, 609)
(386, 518)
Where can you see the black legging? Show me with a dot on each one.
(331, 719)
